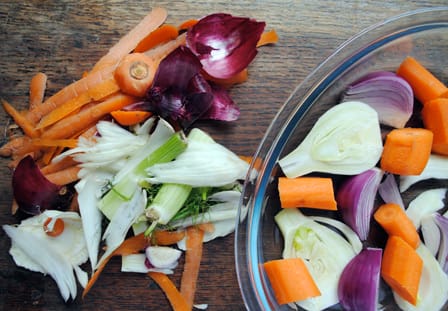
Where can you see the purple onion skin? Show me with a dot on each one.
(33, 192)
(359, 282)
(442, 222)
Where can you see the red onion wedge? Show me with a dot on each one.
(356, 198)
(359, 283)
(442, 257)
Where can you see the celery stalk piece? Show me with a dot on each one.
(126, 187)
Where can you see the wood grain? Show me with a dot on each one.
(64, 38)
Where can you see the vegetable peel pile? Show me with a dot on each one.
(357, 235)
(112, 161)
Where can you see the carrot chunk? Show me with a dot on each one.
(406, 151)
(290, 280)
(401, 268)
(394, 221)
(311, 192)
(435, 119)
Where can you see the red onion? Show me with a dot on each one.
(359, 283)
(389, 191)
(355, 199)
(442, 222)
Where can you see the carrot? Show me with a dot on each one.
(14, 207)
(401, 268)
(240, 77)
(268, 37)
(165, 237)
(406, 151)
(68, 93)
(177, 301)
(424, 84)
(311, 192)
(20, 120)
(135, 74)
(161, 51)
(290, 280)
(128, 42)
(38, 84)
(130, 117)
(57, 166)
(74, 124)
(193, 255)
(68, 143)
(132, 245)
(435, 119)
(65, 176)
(161, 35)
(394, 221)
(14, 145)
(187, 25)
(97, 92)
(55, 229)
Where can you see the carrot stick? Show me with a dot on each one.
(311, 192)
(20, 120)
(130, 117)
(68, 143)
(38, 85)
(14, 145)
(435, 119)
(290, 280)
(177, 301)
(132, 245)
(406, 151)
(161, 35)
(65, 176)
(161, 51)
(193, 255)
(135, 73)
(268, 37)
(95, 93)
(424, 84)
(59, 165)
(128, 42)
(74, 124)
(187, 24)
(401, 268)
(394, 221)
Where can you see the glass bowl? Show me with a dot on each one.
(422, 34)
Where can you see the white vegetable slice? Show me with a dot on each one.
(163, 257)
(426, 203)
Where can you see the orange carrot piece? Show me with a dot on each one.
(128, 42)
(95, 93)
(14, 207)
(268, 37)
(161, 51)
(57, 166)
(176, 299)
(310, 192)
(135, 74)
(130, 117)
(290, 280)
(132, 245)
(401, 268)
(240, 77)
(14, 145)
(406, 151)
(161, 35)
(165, 237)
(38, 85)
(435, 119)
(424, 84)
(394, 221)
(20, 120)
(68, 143)
(187, 25)
(193, 256)
(68, 93)
(74, 124)
(65, 176)
(56, 229)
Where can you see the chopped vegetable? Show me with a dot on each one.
(389, 191)
(346, 139)
(435, 119)
(426, 203)
(20, 120)
(442, 257)
(290, 280)
(390, 95)
(163, 34)
(431, 233)
(356, 198)
(406, 151)
(53, 227)
(177, 300)
(358, 287)
(38, 85)
(424, 84)
(401, 268)
(395, 222)
(162, 257)
(133, 117)
(311, 192)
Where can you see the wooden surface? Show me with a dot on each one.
(64, 38)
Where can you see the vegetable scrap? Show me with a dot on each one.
(111, 165)
(386, 134)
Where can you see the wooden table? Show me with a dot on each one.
(64, 38)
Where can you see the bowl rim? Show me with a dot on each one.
(251, 279)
